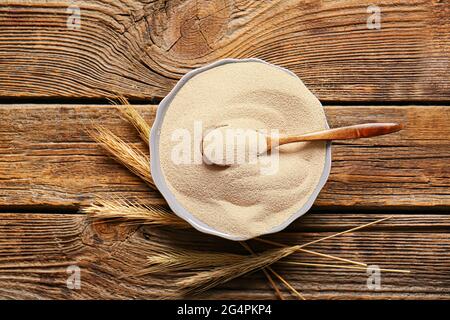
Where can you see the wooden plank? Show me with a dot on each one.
(408, 169)
(334, 222)
(47, 159)
(37, 249)
(140, 48)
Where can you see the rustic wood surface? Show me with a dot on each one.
(53, 81)
(36, 250)
(140, 48)
(47, 158)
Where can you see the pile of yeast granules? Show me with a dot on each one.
(240, 200)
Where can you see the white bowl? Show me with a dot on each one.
(158, 177)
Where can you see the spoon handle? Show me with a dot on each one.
(365, 130)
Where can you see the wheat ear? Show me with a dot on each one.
(125, 211)
(134, 159)
(179, 259)
(206, 280)
(264, 270)
(134, 117)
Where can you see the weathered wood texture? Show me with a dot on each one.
(141, 48)
(48, 160)
(36, 249)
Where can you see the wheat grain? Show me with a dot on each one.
(125, 211)
(177, 259)
(134, 117)
(134, 159)
(206, 280)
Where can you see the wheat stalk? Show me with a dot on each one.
(287, 284)
(337, 266)
(206, 280)
(125, 211)
(264, 270)
(323, 255)
(134, 159)
(134, 117)
(180, 259)
(345, 231)
(278, 244)
(272, 283)
(227, 266)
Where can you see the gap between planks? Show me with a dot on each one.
(310, 222)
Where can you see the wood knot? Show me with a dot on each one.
(189, 29)
(97, 233)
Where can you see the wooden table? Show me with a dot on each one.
(55, 75)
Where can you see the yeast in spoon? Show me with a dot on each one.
(227, 145)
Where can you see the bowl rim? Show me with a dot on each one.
(158, 176)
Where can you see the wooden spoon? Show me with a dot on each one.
(350, 132)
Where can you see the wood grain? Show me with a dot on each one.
(365, 130)
(48, 160)
(36, 249)
(141, 48)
